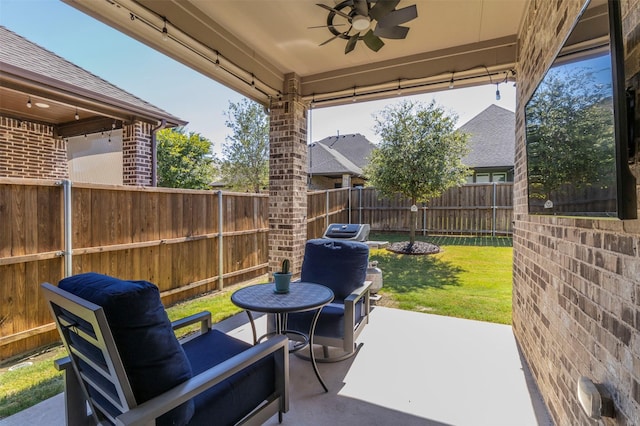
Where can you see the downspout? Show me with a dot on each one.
(154, 152)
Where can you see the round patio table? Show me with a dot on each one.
(302, 297)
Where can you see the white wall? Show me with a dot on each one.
(96, 158)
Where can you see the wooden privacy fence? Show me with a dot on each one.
(186, 242)
(473, 209)
(325, 207)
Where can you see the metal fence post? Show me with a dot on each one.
(360, 204)
(424, 219)
(326, 210)
(493, 224)
(349, 203)
(220, 243)
(68, 231)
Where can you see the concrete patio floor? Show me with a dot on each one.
(413, 369)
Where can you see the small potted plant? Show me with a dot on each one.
(283, 278)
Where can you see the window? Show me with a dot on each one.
(499, 177)
(483, 178)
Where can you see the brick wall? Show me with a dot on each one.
(29, 150)
(287, 178)
(576, 294)
(136, 154)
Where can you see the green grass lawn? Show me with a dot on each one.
(470, 278)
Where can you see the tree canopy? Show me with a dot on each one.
(184, 160)
(570, 133)
(419, 154)
(245, 166)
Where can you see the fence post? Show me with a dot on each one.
(68, 232)
(424, 219)
(349, 203)
(220, 243)
(360, 204)
(493, 222)
(326, 210)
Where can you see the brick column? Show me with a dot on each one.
(30, 150)
(287, 178)
(136, 154)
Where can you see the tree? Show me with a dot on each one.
(570, 133)
(419, 155)
(245, 166)
(184, 160)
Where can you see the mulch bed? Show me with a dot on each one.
(419, 247)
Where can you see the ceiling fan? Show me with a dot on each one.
(359, 16)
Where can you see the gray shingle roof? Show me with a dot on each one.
(337, 155)
(492, 138)
(19, 52)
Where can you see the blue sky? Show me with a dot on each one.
(185, 93)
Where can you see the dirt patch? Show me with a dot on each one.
(418, 248)
(387, 302)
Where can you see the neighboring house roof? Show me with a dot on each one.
(338, 155)
(26, 60)
(492, 140)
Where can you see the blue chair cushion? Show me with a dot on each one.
(229, 401)
(152, 356)
(339, 265)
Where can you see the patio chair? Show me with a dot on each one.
(127, 367)
(340, 265)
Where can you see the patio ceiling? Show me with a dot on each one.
(252, 45)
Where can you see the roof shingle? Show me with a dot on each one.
(336, 155)
(19, 52)
(492, 140)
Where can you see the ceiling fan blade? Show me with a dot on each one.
(372, 41)
(361, 7)
(327, 26)
(331, 39)
(336, 11)
(391, 32)
(351, 44)
(397, 17)
(382, 8)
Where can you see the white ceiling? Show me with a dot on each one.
(263, 40)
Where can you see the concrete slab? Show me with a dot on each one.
(412, 369)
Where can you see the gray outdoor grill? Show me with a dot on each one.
(347, 231)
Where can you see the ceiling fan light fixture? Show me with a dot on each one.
(369, 21)
(360, 23)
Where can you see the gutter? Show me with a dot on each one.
(154, 152)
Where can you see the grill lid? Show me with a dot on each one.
(342, 230)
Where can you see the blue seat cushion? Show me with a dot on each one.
(339, 265)
(151, 355)
(232, 399)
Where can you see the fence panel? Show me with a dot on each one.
(166, 236)
(246, 231)
(325, 207)
(474, 209)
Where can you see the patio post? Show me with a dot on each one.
(287, 177)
